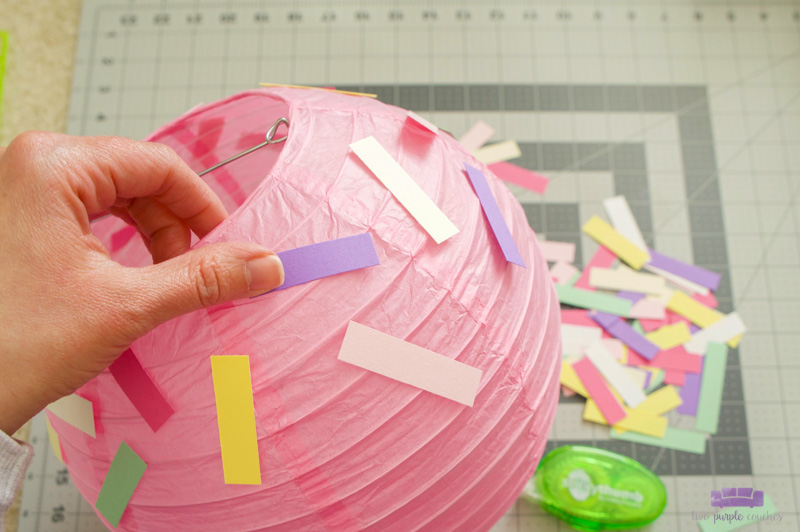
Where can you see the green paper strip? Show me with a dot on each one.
(637, 326)
(656, 380)
(749, 516)
(3, 53)
(711, 385)
(121, 480)
(678, 439)
(575, 277)
(577, 297)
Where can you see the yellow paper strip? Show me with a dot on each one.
(233, 390)
(351, 93)
(570, 379)
(76, 411)
(55, 443)
(635, 420)
(670, 336)
(499, 152)
(697, 313)
(661, 401)
(620, 246)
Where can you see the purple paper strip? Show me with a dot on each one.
(691, 272)
(647, 379)
(492, 212)
(690, 394)
(631, 296)
(315, 261)
(619, 329)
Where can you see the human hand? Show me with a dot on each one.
(66, 309)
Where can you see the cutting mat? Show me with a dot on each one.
(691, 110)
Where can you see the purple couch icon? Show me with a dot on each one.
(737, 497)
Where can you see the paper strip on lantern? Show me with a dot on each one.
(233, 390)
(405, 189)
(492, 212)
(315, 261)
(141, 390)
(121, 480)
(76, 411)
(399, 360)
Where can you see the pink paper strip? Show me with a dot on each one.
(674, 376)
(122, 237)
(635, 359)
(566, 392)
(708, 300)
(599, 391)
(652, 325)
(577, 317)
(678, 359)
(603, 258)
(558, 251)
(648, 309)
(519, 176)
(140, 389)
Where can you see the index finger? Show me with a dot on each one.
(112, 168)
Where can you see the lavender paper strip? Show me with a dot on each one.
(690, 394)
(323, 259)
(619, 328)
(631, 296)
(492, 212)
(691, 272)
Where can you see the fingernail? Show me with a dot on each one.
(265, 273)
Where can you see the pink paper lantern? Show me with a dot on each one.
(340, 448)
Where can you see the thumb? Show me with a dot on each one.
(205, 277)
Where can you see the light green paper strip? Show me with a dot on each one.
(575, 277)
(749, 516)
(121, 480)
(710, 400)
(656, 380)
(3, 53)
(678, 439)
(637, 326)
(593, 300)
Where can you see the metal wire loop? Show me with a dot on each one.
(270, 139)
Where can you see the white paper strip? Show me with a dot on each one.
(424, 123)
(405, 189)
(405, 362)
(680, 282)
(76, 411)
(619, 212)
(620, 279)
(478, 135)
(496, 153)
(576, 339)
(615, 374)
(721, 331)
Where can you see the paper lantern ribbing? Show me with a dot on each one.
(340, 448)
